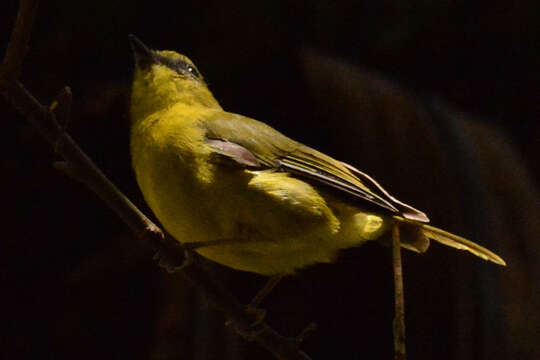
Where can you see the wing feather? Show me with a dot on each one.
(242, 138)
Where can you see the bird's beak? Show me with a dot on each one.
(144, 56)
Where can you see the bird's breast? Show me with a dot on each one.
(172, 170)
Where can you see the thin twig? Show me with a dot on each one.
(20, 36)
(79, 165)
(399, 315)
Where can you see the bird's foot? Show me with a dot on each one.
(170, 255)
(258, 314)
(254, 329)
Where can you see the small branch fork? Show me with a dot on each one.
(80, 166)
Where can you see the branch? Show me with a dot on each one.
(18, 43)
(80, 166)
(399, 316)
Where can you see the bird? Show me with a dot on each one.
(244, 195)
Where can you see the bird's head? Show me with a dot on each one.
(164, 78)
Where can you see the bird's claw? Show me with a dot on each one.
(255, 328)
(170, 259)
(258, 313)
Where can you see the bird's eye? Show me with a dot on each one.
(193, 71)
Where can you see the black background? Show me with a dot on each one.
(436, 100)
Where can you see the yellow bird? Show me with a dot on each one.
(243, 194)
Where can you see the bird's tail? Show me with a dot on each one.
(460, 243)
(415, 236)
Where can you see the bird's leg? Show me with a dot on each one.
(253, 306)
(168, 258)
(245, 235)
(202, 244)
(267, 289)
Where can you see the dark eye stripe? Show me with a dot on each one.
(179, 66)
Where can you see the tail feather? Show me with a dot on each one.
(460, 243)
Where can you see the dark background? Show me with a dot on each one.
(436, 100)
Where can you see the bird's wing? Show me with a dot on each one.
(253, 144)
(316, 166)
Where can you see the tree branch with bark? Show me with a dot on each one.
(171, 254)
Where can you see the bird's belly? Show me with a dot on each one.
(252, 222)
(282, 226)
(298, 246)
